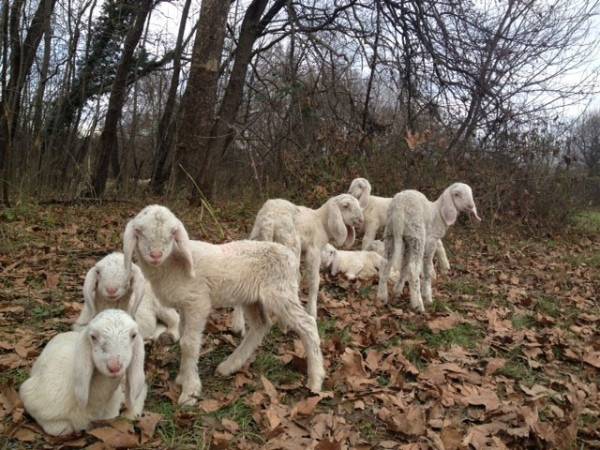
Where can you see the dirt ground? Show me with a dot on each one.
(508, 357)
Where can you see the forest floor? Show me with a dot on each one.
(508, 357)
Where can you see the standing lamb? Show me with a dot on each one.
(305, 231)
(375, 211)
(415, 222)
(195, 276)
(77, 377)
(108, 285)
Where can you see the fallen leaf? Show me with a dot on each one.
(115, 438)
(209, 405)
(147, 423)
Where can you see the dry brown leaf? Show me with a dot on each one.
(443, 323)
(230, 425)
(147, 423)
(494, 365)
(25, 435)
(592, 358)
(269, 389)
(209, 405)
(115, 438)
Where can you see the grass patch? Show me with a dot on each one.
(518, 370)
(412, 352)
(464, 335)
(240, 413)
(328, 329)
(13, 376)
(548, 306)
(461, 287)
(521, 321)
(587, 221)
(40, 313)
(272, 368)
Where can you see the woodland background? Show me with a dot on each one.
(252, 99)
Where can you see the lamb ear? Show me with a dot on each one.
(135, 379)
(363, 200)
(336, 227)
(129, 243)
(83, 369)
(139, 287)
(448, 211)
(183, 242)
(351, 236)
(89, 294)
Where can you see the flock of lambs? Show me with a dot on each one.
(87, 374)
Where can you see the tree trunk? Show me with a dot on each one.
(222, 132)
(166, 126)
(22, 57)
(198, 110)
(118, 94)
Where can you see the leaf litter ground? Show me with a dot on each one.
(508, 357)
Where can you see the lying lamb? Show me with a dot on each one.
(353, 264)
(414, 227)
(108, 285)
(375, 212)
(77, 377)
(195, 276)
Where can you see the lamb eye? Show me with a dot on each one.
(94, 338)
(133, 336)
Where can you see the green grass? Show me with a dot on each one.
(464, 335)
(240, 413)
(40, 313)
(328, 329)
(461, 287)
(549, 306)
(587, 221)
(13, 377)
(521, 321)
(272, 368)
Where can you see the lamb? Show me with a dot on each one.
(195, 276)
(107, 285)
(353, 264)
(306, 231)
(77, 377)
(414, 226)
(375, 212)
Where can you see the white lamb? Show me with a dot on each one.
(413, 229)
(353, 264)
(375, 212)
(77, 378)
(195, 276)
(108, 285)
(306, 231)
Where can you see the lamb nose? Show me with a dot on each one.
(156, 254)
(111, 290)
(114, 367)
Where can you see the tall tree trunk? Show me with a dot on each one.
(166, 127)
(198, 110)
(22, 57)
(222, 132)
(118, 93)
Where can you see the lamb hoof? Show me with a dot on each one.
(315, 385)
(187, 400)
(224, 369)
(166, 339)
